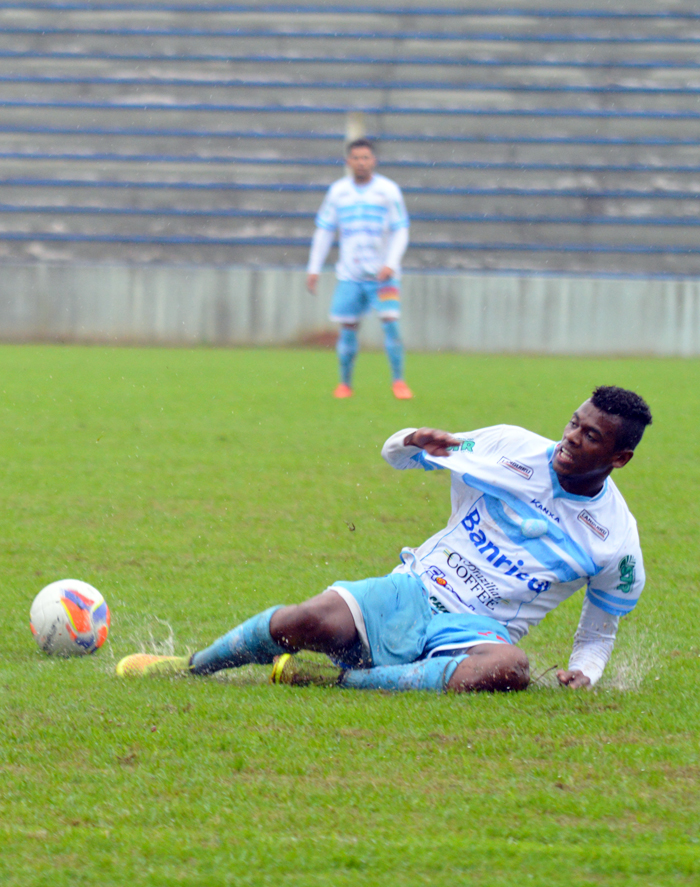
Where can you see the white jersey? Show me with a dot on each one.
(517, 544)
(367, 218)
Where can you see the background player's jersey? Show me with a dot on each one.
(366, 217)
(517, 544)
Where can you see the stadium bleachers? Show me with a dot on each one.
(554, 138)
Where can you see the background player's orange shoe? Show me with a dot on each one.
(343, 391)
(401, 390)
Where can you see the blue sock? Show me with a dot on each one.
(394, 348)
(248, 643)
(346, 349)
(426, 674)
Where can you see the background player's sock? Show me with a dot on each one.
(250, 642)
(394, 348)
(346, 349)
(427, 674)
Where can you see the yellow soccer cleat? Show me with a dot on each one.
(147, 665)
(298, 672)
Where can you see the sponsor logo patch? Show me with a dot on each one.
(437, 605)
(518, 467)
(593, 525)
(438, 577)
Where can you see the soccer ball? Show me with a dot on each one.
(69, 618)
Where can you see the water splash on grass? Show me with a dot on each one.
(155, 635)
(629, 667)
(160, 638)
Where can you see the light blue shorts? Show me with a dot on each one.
(352, 299)
(397, 625)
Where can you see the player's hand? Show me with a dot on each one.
(433, 441)
(385, 273)
(311, 281)
(574, 679)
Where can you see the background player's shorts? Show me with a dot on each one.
(352, 299)
(396, 624)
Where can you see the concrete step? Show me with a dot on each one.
(374, 47)
(286, 148)
(489, 260)
(308, 201)
(265, 177)
(440, 125)
(341, 21)
(337, 70)
(295, 95)
(422, 232)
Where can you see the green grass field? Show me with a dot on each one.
(196, 487)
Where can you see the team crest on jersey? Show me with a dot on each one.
(627, 574)
(467, 445)
(518, 467)
(593, 525)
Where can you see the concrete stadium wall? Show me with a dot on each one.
(231, 305)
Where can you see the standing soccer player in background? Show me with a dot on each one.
(370, 216)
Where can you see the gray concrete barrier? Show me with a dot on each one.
(237, 305)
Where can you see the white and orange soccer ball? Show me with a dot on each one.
(69, 618)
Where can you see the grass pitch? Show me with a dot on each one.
(196, 487)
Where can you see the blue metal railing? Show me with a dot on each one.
(427, 36)
(337, 163)
(303, 242)
(423, 61)
(211, 107)
(301, 215)
(382, 85)
(300, 188)
(363, 10)
(388, 138)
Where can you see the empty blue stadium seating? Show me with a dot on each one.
(530, 137)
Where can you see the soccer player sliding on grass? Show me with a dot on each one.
(532, 522)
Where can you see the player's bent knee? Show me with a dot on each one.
(492, 669)
(515, 670)
(324, 619)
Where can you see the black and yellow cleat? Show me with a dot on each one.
(297, 672)
(147, 665)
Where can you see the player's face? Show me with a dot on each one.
(361, 162)
(588, 451)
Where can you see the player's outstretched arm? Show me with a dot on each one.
(400, 449)
(432, 440)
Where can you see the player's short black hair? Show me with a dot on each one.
(632, 409)
(360, 143)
